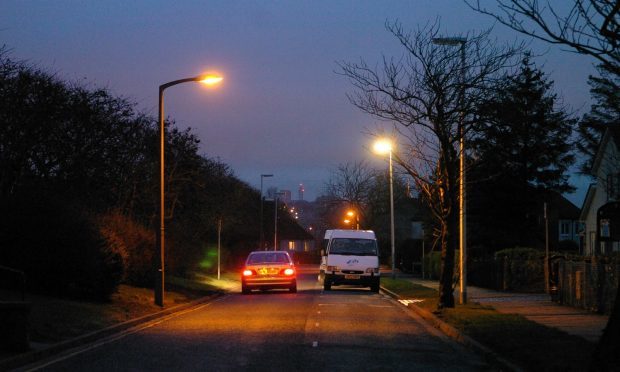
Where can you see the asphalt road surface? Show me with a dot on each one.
(347, 328)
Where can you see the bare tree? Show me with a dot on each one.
(426, 95)
(351, 183)
(590, 27)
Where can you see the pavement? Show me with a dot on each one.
(536, 307)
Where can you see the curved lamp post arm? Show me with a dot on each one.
(209, 80)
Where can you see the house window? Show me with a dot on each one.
(613, 186)
(565, 227)
(291, 245)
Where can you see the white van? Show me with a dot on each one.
(350, 257)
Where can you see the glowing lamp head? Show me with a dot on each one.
(350, 213)
(383, 146)
(210, 79)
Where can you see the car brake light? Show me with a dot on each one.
(289, 272)
(247, 272)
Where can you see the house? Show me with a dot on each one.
(605, 190)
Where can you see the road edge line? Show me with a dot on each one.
(455, 334)
(54, 349)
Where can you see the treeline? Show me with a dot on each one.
(79, 189)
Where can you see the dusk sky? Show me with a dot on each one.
(281, 108)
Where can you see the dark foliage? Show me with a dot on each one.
(522, 149)
(63, 145)
(59, 248)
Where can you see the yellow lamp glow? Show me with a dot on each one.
(211, 79)
(383, 146)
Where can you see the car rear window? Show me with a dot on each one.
(268, 257)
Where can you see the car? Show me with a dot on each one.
(268, 270)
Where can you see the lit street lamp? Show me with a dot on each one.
(383, 147)
(460, 42)
(207, 80)
(262, 233)
(357, 219)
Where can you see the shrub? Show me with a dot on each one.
(521, 253)
(59, 248)
(135, 243)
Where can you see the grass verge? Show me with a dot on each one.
(527, 344)
(55, 319)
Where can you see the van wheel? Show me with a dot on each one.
(245, 290)
(293, 288)
(375, 286)
(327, 286)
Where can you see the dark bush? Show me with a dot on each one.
(59, 248)
(521, 253)
(135, 243)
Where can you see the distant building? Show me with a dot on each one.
(285, 196)
(301, 191)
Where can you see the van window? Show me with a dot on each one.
(353, 247)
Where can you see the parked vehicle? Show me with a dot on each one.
(268, 270)
(350, 257)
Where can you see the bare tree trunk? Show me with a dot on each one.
(448, 247)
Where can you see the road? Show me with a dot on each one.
(347, 328)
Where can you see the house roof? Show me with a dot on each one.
(587, 202)
(565, 208)
(612, 133)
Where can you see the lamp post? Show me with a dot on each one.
(262, 233)
(383, 147)
(207, 80)
(460, 42)
(275, 222)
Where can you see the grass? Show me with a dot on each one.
(528, 344)
(55, 319)
(425, 297)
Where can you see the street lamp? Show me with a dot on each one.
(357, 219)
(382, 147)
(275, 223)
(207, 80)
(262, 233)
(460, 42)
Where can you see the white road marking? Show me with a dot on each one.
(407, 302)
(315, 343)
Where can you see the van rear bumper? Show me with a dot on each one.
(359, 279)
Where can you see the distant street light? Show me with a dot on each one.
(460, 42)
(262, 232)
(207, 80)
(382, 147)
(357, 218)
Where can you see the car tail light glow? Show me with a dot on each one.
(289, 272)
(247, 272)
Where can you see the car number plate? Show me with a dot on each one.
(351, 276)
